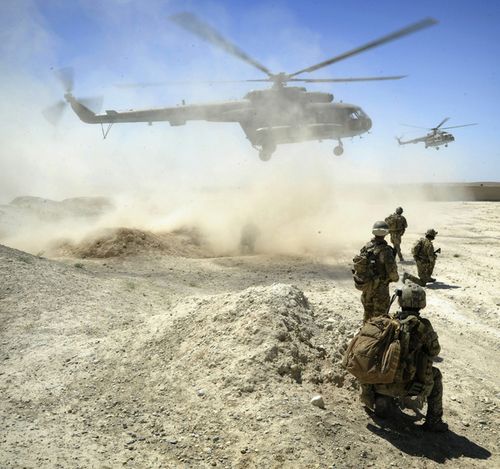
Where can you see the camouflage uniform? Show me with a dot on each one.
(417, 377)
(426, 260)
(397, 227)
(375, 297)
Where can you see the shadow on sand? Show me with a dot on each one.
(441, 286)
(401, 431)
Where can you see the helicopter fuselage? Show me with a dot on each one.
(292, 114)
(268, 117)
(437, 139)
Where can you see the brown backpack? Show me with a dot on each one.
(373, 355)
(364, 266)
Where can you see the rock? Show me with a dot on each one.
(201, 392)
(318, 401)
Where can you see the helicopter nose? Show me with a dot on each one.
(367, 124)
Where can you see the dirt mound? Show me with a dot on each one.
(117, 242)
(253, 338)
(232, 370)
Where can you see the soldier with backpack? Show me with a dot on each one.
(397, 226)
(374, 268)
(425, 257)
(393, 357)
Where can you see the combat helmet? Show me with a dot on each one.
(412, 296)
(399, 210)
(431, 233)
(380, 228)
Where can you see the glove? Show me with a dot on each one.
(415, 389)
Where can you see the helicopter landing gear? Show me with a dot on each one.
(437, 148)
(446, 146)
(267, 151)
(339, 149)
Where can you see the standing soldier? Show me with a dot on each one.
(374, 268)
(249, 235)
(425, 256)
(397, 226)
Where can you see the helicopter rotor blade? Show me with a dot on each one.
(194, 25)
(457, 126)
(67, 77)
(345, 80)
(370, 45)
(187, 82)
(55, 112)
(416, 126)
(446, 119)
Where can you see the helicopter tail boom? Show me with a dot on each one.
(83, 112)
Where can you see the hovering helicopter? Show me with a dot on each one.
(269, 117)
(436, 137)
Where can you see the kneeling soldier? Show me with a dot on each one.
(415, 375)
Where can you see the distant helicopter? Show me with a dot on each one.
(436, 137)
(268, 117)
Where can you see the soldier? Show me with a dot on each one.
(375, 297)
(397, 226)
(249, 235)
(425, 257)
(415, 376)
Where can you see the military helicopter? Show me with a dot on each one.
(269, 117)
(436, 137)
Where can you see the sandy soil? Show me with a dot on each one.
(158, 360)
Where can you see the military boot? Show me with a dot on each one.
(434, 423)
(383, 406)
(367, 396)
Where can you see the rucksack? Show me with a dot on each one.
(395, 222)
(392, 222)
(373, 355)
(364, 267)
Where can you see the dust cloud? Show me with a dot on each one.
(201, 176)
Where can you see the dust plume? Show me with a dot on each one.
(201, 176)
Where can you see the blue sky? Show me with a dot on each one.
(453, 70)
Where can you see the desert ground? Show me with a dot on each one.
(146, 349)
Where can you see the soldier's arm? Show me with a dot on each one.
(405, 224)
(431, 342)
(429, 251)
(390, 265)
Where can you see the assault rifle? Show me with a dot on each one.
(437, 251)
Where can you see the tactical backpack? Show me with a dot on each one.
(364, 267)
(373, 355)
(392, 222)
(395, 222)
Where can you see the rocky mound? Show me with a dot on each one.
(118, 242)
(234, 375)
(253, 338)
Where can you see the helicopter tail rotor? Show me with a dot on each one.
(54, 113)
